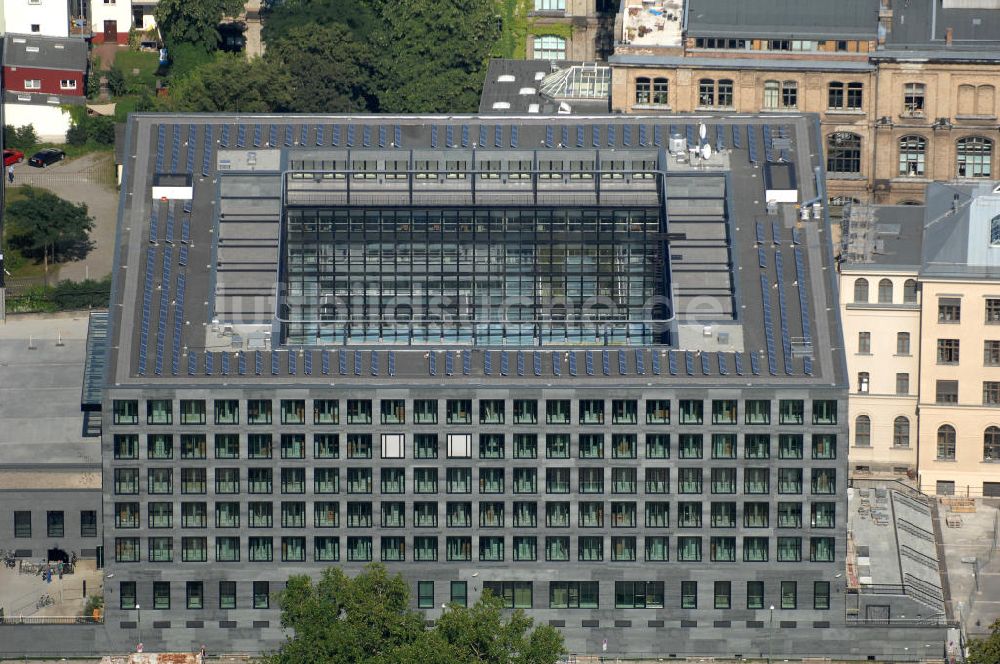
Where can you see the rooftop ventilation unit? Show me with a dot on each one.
(501, 105)
(506, 78)
(526, 91)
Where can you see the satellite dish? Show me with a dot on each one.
(702, 130)
(706, 151)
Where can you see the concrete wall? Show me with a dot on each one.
(51, 122)
(39, 502)
(51, 16)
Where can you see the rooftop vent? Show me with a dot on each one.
(20, 40)
(501, 105)
(506, 78)
(59, 46)
(526, 91)
(533, 108)
(564, 108)
(539, 75)
(31, 49)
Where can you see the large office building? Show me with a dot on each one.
(921, 305)
(574, 361)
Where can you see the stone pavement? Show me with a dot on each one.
(19, 593)
(88, 179)
(972, 540)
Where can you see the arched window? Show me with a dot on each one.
(975, 156)
(946, 442)
(910, 291)
(862, 431)
(861, 291)
(715, 94)
(549, 47)
(706, 92)
(772, 93)
(995, 231)
(991, 444)
(843, 153)
(901, 432)
(912, 155)
(643, 87)
(855, 96)
(661, 89)
(885, 291)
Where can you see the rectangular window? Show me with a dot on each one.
(690, 446)
(722, 549)
(757, 411)
(227, 549)
(689, 480)
(192, 411)
(160, 480)
(821, 595)
(624, 411)
(789, 595)
(425, 446)
(691, 412)
(557, 411)
(491, 411)
(789, 549)
(393, 445)
(658, 411)
(227, 594)
(824, 411)
(949, 310)
(459, 446)
(458, 411)
(259, 411)
(592, 411)
(525, 480)
(689, 549)
(723, 515)
(261, 595)
(55, 523)
(591, 446)
(126, 446)
(159, 411)
(991, 393)
(864, 343)
(525, 446)
(22, 524)
(557, 446)
(325, 446)
(639, 594)
(824, 446)
(757, 446)
(947, 351)
(194, 549)
(723, 480)
(259, 480)
(723, 411)
(755, 594)
(525, 515)
(227, 411)
(689, 594)
(126, 481)
(359, 411)
(425, 594)
(946, 391)
(515, 594)
(755, 549)
(557, 480)
(161, 549)
(821, 549)
(657, 446)
(227, 446)
(126, 594)
(326, 411)
(623, 445)
(293, 411)
(193, 446)
(902, 383)
(791, 411)
(194, 594)
(125, 411)
(126, 549)
(458, 480)
(88, 523)
(657, 480)
(392, 411)
(459, 593)
(425, 411)
(359, 446)
(261, 549)
(491, 446)
(723, 595)
(991, 353)
(425, 480)
(525, 411)
(789, 480)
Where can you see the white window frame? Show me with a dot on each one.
(32, 84)
(393, 445)
(459, 446)
(67, 84)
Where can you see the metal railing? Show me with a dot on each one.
(50, 620)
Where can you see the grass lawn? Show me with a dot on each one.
(146, 62)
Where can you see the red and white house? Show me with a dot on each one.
(40, 76)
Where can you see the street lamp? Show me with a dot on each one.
(138, 623)
(770, 635)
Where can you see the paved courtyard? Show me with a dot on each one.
(972, 540)
(19, 593)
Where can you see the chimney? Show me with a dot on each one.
(948, 36)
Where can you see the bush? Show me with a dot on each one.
(97, 129)
(117, 85)
(22, 138)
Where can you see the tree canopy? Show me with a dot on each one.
(231, 83)
(367, 620)
(986, 651)
(196, 23)
(47, 228)
(358, 16)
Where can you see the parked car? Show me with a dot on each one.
(43, 158)
(12, 156)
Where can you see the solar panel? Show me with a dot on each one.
(692, 136)
(308, 362)
(672, 362)
(366, 136)
(206, 157)
(392, 363)
(595, 136)
(738, 361)
(556, 364)
(275, 363)
(795, 236)
(800, 277)
(520, 363)
(759, 232)
(723, 365)
(761, 257)
(381, 136)
(224, 138)
(705, 368)
(432, 363)
(192, 362)
(335, 140)
(357, 363)
(488, 363)
(434, 136)
(209, 363)
(351, 131)
(225, 364)
(191, 144)
(605, 363)
(466, 362)
(449, 363)
(373, 362)
(655, 357)
(304, 134)
(513, 136)
(288, 135)
(293, 363)
(498, 136)
(342, 362)
(537, 363)
(241, 136)
(258, 135)
(720, 138)
(449, 133)
(786, 343)
(775, 233)
(579, 136)
(640, 362)
(397, 136)
(504, 363)
(324, 362)
(658, 135)
(549, 136)
(627, 136)
(319, 135)
(772, 365)
(482, 136)
(622, 363)
(258, 362)
(752, 145)
(643, 137)
(465, 136)
(689, 363)
(572, 363)
(807, 365)
(754, 364)
(612, 136)
(589, 358)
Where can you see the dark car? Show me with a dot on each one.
(43, 158)
(11, 156)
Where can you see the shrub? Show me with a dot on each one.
(117, 85)
(22, 138)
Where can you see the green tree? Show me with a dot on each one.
(230, 83)
(47, 228)
(359, 16)
(197, 23)
(116, 82)
(986, 651)
(328, 67)
(433, 54)
(367, 620)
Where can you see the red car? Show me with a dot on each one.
(11, 156)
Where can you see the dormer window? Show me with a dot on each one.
(995, 231)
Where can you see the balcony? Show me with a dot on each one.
(655, 23)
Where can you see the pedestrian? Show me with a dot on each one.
(202, 655)
(10, 174)
(138, 648)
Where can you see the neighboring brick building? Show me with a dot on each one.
(40, 75)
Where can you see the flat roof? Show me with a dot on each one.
(783, 19)
(169, 254)
(520, 87)
(921, 27)
(882, 236)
